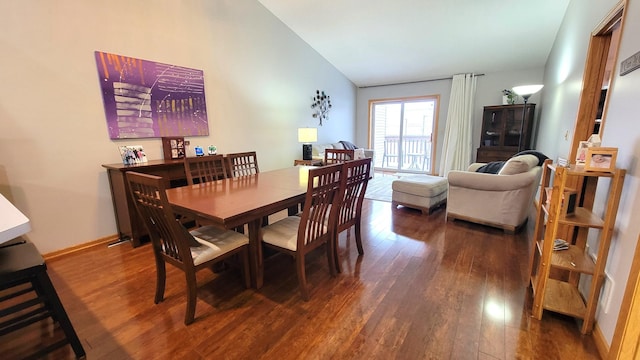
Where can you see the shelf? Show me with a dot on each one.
(546, 265)
(563, 298)
(578, 170)
(573, 259)
(582, 217)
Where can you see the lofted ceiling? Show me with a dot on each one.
(379, 42)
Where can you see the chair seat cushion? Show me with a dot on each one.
(215, 242)
(283, 233)
(421, 185)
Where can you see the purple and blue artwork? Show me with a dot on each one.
(146, 99)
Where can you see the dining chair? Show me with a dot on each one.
(190, 251)
(337, 156)
(299, 235)
(202, 169)
(243, 164)
(354, 185)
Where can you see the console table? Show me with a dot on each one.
(130, 226)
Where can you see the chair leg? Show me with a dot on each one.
(161, 279)
(302, 277)
(359, 238)
(331, 258)
(59, 313)
(336, 256)
(191, 297)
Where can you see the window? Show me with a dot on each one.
(403, 133)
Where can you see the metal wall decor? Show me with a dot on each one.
(321, 106)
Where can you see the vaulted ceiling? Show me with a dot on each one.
(378, 42)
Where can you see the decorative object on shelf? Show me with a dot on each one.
(213, 150)
(601, 159)
(509, 97)
(525, 91)
(581, 154)
(321, 106)
(132, 155)
(147, 99)
(173, 147)
(306, 136)
(198, 151)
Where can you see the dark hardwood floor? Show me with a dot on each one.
(425, 289)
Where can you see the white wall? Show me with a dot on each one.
(488, 92)
(259, 81)
(563, 84)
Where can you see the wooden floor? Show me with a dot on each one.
(425, 289)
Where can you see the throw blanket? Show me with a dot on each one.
(495, 166)
(348, 145)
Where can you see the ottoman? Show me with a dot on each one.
(422, 192)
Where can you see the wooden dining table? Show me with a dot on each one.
(234, 202)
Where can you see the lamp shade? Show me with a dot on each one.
(13, 223)
(525, 90)
(307, 135)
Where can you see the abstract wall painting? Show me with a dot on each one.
(147, 99)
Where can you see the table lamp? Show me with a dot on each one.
(306, 136)
(525, 91)
(13, 223)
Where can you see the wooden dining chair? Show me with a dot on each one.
(354, 185)
(337, 156)
(202, 169)
(299, 235)
(243, 164)
(190, 251)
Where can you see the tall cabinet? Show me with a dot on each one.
(503, 131)
(569, 281)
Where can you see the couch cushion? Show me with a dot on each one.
(318, 149)
(338, 146)
(541, 157)
(519, 164)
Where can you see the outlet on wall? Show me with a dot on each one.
(607, 290)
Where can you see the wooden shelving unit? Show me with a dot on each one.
(555, 276)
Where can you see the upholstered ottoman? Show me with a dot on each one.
(422, 192)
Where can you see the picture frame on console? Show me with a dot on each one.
(173, 148)
(601, 159)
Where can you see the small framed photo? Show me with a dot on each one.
(173, 148)
(581, 154)
(601, 159)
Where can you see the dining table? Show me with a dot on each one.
(233, 202)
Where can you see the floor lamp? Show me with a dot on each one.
(525, 91)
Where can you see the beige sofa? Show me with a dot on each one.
(500, 200)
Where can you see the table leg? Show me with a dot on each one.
(255, 253)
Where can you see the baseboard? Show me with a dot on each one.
(70, 250)
(601, 342)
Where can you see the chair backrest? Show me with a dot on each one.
(243, 164)
(201, 169)
(169, 238)
(320, 210)
(354, 183)
(337, 156)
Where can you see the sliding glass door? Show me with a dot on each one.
(403, 133)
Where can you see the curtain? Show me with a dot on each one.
(457, 146)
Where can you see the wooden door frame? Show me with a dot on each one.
(593, 75)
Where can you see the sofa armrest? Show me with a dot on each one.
(492, 182)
